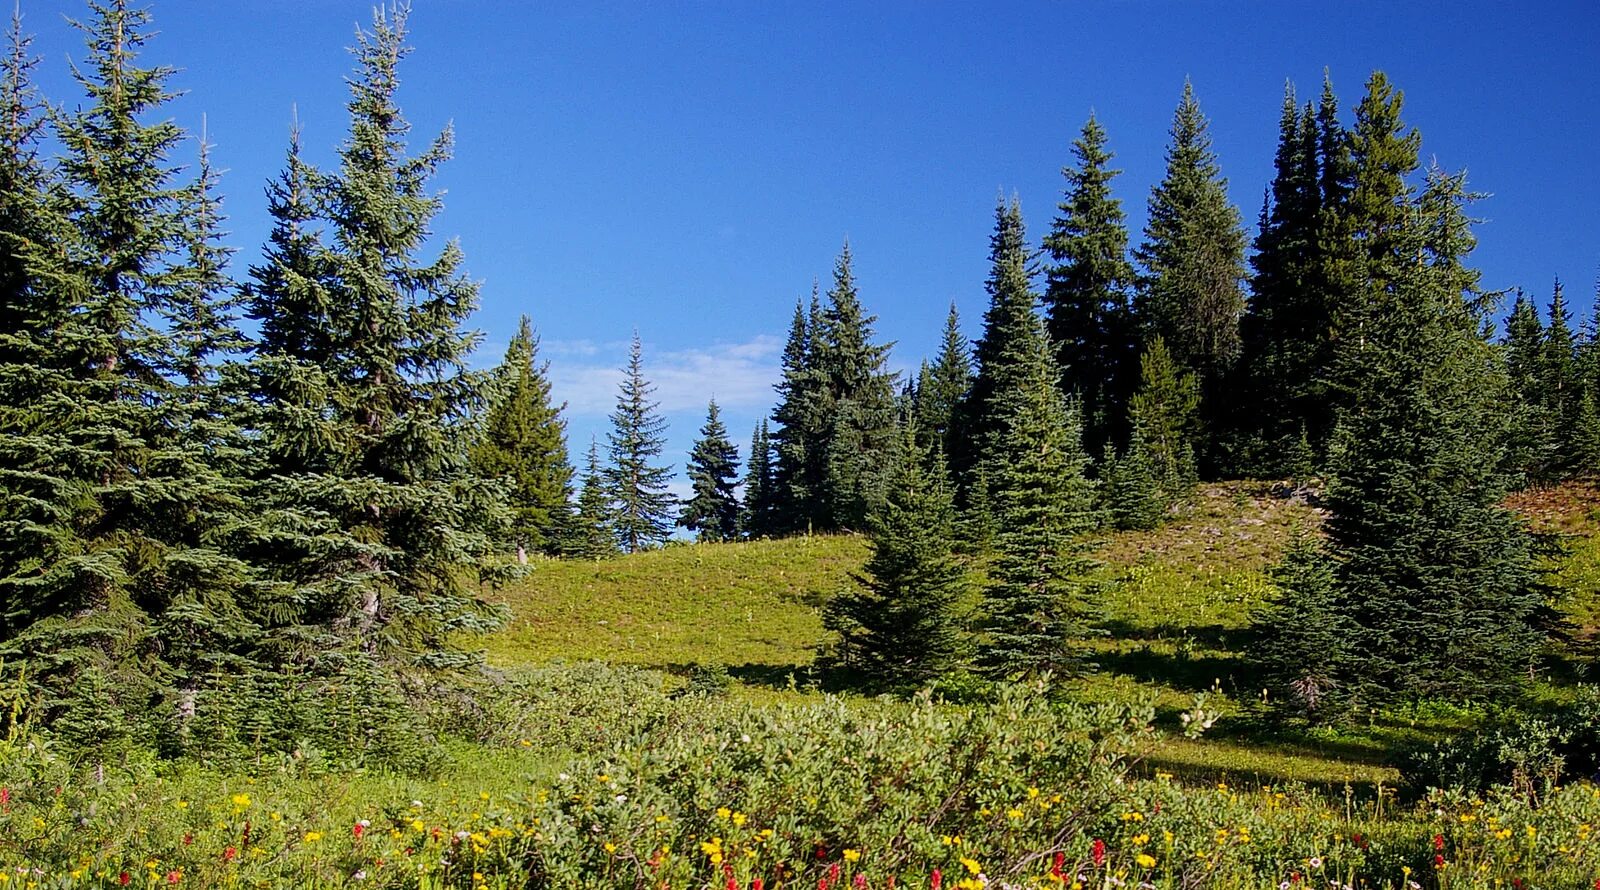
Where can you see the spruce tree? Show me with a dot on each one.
(942, 387)
(1134, 499)
(1433, 573)
(592, 536)
(375, 516)
(898, 627)
(523, 439)
(758, 514)
(1531, 443)
(1163, 420)
(1191, 293)
(119, 581)
(1090, 279)
(637, 486)
(856, 399)
(1559, 381)
(798, 443)
(1003, 353)
(712, 511)
(1302, 640)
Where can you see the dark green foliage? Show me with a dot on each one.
(523, 439)
(1133, 499)
(713, 510)
(1011, 330)
(592, 536)
(1036, 466)
(854, 398)
(1531, 442)
(641, 505)
(942, 387)
(1530, 750)
(1163, 417)
(1301, 645)
(1191, 293)
(758, 515)
(899, 627)
(798, 443)
(1090, 280)
(1434, 574)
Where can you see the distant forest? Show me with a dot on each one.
(281, 490)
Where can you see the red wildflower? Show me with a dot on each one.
(230, 854)
(822, 883)
(1438, 859)
(124, 879)
(732, 884)
(938, 879)
(1359, 841)
(861, 882)
(758, 884)
(822, 852)
(5, 797)
(1438, 842)
(1097, 852)
(833, 872)
(1055, 867)
(188, 839)
(358, 830)
(174, 876)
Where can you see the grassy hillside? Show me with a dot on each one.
(1176, 603)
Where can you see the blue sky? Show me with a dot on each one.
(687, 169)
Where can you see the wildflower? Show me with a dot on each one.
(124, 879)
(241, 800)
(739, 820)
(230, 854)
(610, 847)
(852, 855)
(1438, 860)
(1314, 863)
(1097, 852)
(1013, 814)
(360, 828)
(971, 865)
(313, 836)
(935, 880)
(1438, 839)
(360, 875)
(174, 876)
(724, 813)
(1145, 860)
(860, 882)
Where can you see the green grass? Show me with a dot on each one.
(1176, 603)
(752, 604)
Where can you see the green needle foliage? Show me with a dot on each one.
(641, 505)
(593, 535)
(713, 510)
(523, 439)
(899, 627)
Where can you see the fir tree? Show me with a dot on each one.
(1302, 641)
(942, 387)
(1003, 353)
(1163, 421)
(1191, 293)
(798, 442)
(1034, 601)
(855, 399)
(593, 536)
(1530, 446)
(1134, 499)
(758, 516)
(1090, 320)
(898, 627)
(523, 439)
(1559, 383)
(642, 505)
(713, 510)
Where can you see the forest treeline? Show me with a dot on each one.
(268, 505)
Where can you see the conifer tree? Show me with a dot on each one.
(942, 387)
(758, 515)
(1432, 572)
(118, 581)
(1191, 293)
(898, 627)
(364, 480)
(798, 443)
(1090, 279)
(855, 398)
(23, 186)
(1163, 421)
(1302, 641)
(593, 536)
(1003, 353)
(523, 439)
(1134, 499)
(642, 506)
(1530, 446)
(713, 510)
(1559, 383)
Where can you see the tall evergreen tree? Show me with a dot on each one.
(1090, 319)
(1302, 644)
(1035, 601)
(593, 536)
(758, 516)
(118, 581)
(1191, 293)
(1163, 420)
(523, 439)
(942, 387)
(642, 505)
(23, 194)
(1530, 447)
(376, 519)
(1562, 390)
(856, 398)
(898, 627)
(798, 442)
(713, 510)
(1003, 352)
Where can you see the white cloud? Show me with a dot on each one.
(737, 375)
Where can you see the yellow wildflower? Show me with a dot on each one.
(1145, 860)
(852, 855)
